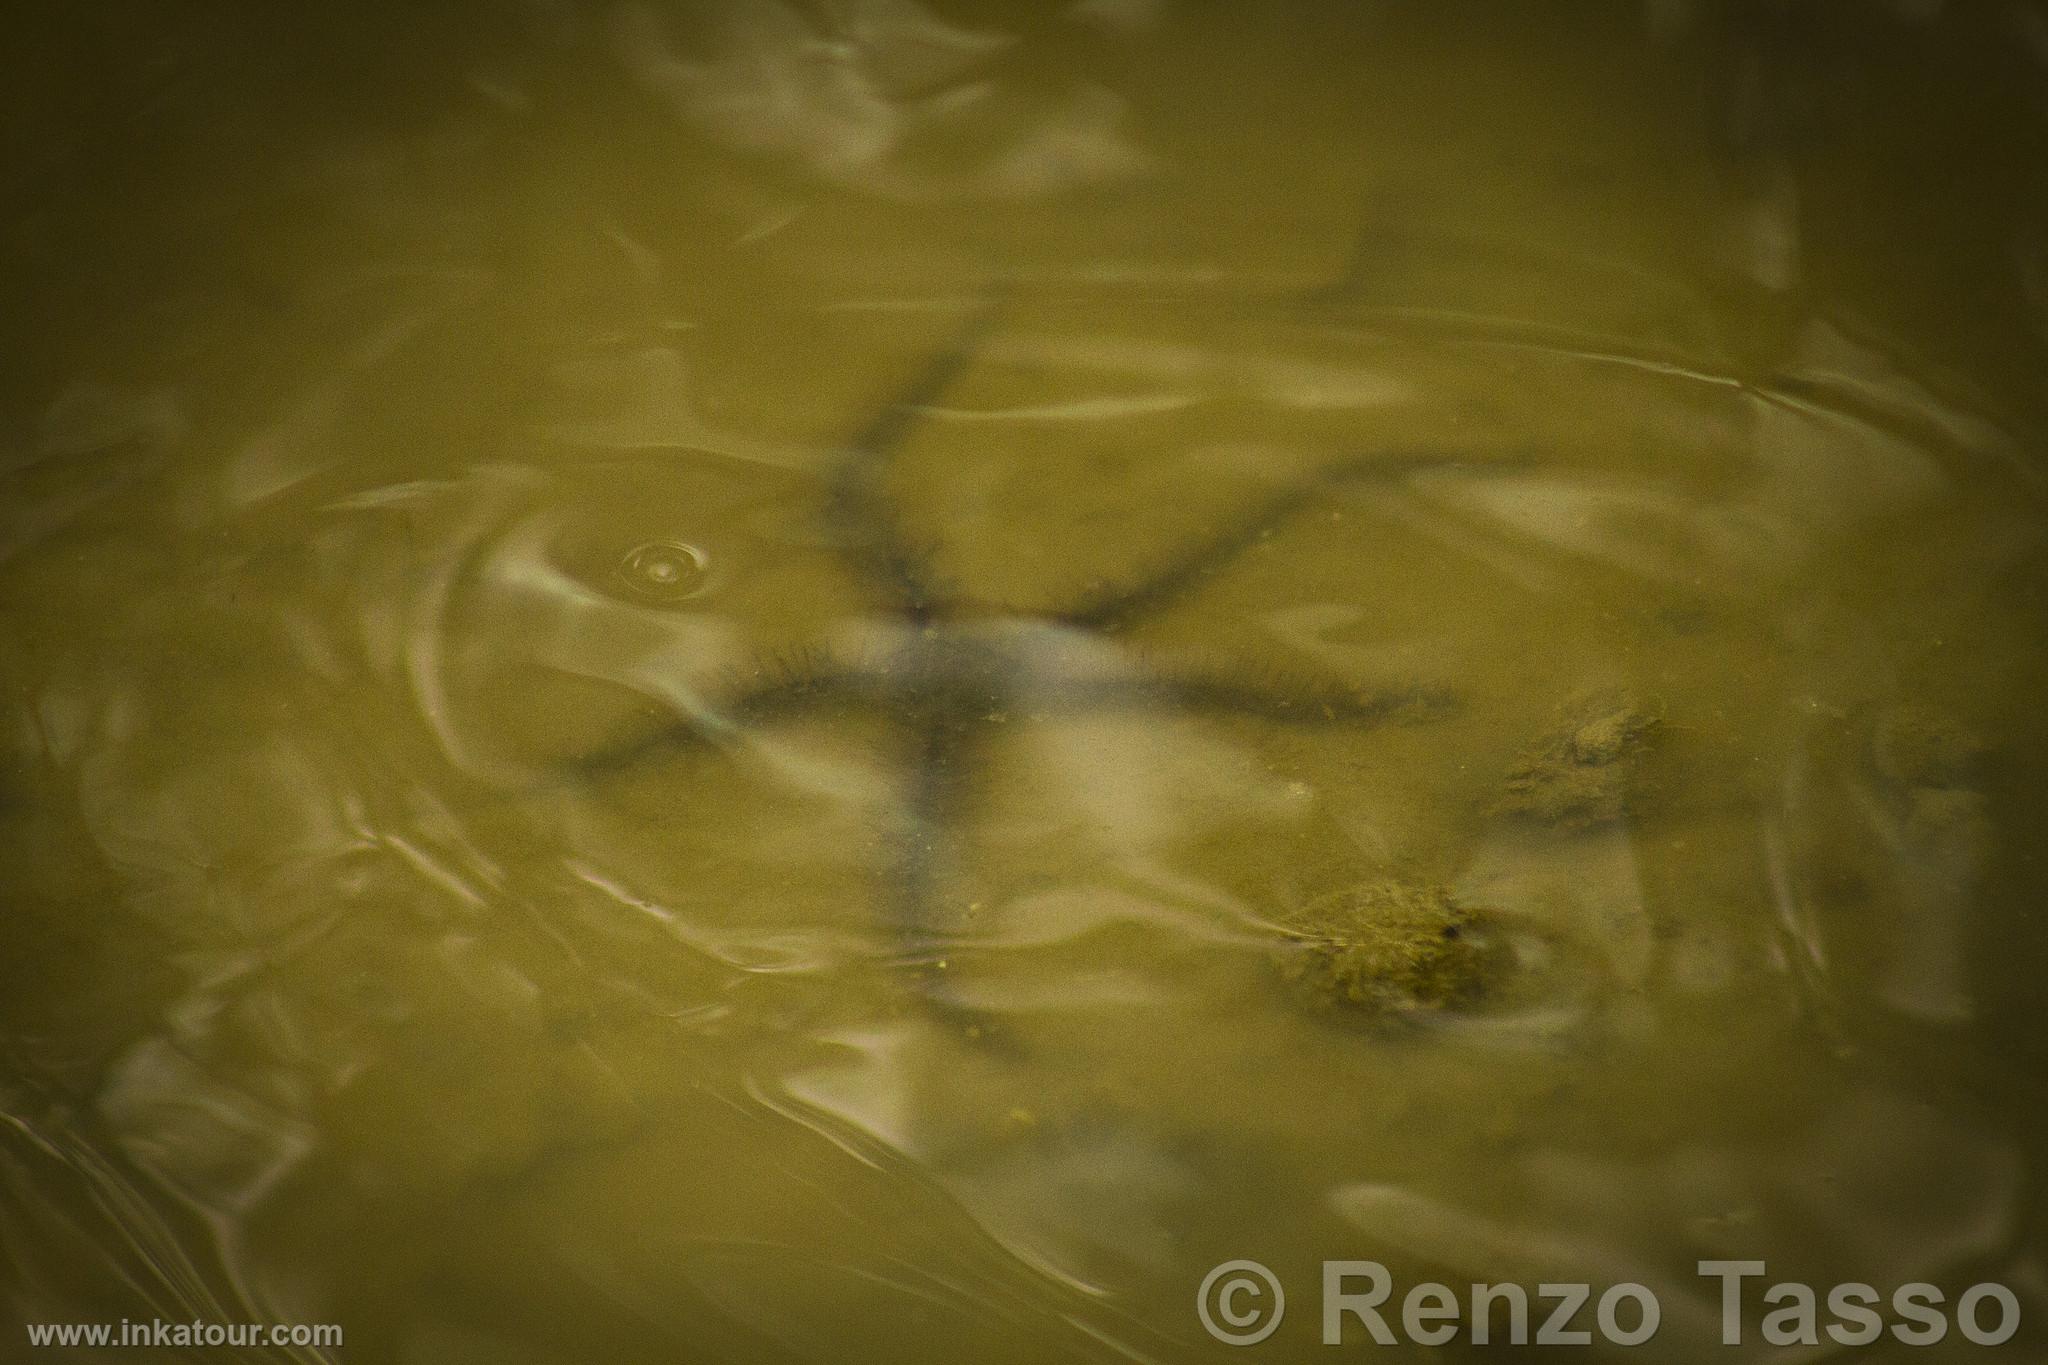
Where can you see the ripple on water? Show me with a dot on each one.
(665, 570)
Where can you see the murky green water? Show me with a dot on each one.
(698, 683)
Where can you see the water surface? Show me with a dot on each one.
(672, 673)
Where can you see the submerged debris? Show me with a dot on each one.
(1586, 770)
(1913, 747)
(1390, 949)
(1930, 770)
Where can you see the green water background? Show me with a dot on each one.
(359, 362)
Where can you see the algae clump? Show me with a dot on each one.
(1389, 949)
(1585, 771)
